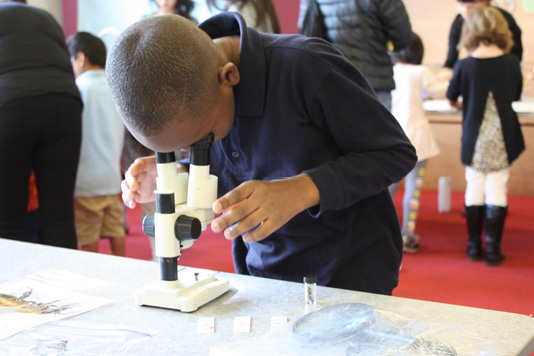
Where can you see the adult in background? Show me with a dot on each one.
(259, 14)
(172, 7)
(361, 30)
(456, 32)
(40, 124)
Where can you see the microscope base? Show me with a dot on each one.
(181, 295)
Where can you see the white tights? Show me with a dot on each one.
(486, 188)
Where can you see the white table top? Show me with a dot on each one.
(522, 108)
(258, 298)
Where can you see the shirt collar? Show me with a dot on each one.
(92, 73)
(250, 92)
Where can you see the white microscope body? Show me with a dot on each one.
(183, 208)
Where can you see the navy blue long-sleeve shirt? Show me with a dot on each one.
(301, 107)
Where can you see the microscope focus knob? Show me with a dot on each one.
(149, 226)
(187, 228)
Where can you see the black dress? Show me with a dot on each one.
(498, 79)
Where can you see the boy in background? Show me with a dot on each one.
(97, 206)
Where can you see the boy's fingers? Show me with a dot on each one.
(137, 167)
(217, 207)
(225, 218)
(127, 196)
(233, 197)
(130, 183)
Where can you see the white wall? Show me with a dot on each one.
(107, 18)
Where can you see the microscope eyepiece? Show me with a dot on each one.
(165, 157)
(200, 151)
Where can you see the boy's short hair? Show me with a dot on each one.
(486, 25)
(412, 54)
(162, 69)
(90, 45)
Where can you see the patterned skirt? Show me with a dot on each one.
(490, 150)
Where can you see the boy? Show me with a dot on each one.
(303, 147)
(97, 206)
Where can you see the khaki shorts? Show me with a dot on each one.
(97, 217)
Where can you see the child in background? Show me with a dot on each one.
(97, 207)
(489, 80)
(411, 80)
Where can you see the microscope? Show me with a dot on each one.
(183, 209)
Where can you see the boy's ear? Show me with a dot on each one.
(80, 59)
(229, 74)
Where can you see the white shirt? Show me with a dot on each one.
(102, 138)
(407, 105)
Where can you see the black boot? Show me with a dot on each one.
(495, 217)
(474, 215)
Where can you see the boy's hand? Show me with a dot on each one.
(139, 182)
(256, 209)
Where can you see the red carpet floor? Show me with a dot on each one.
(438, 272)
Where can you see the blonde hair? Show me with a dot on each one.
(486, 25)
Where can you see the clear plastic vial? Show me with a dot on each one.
(310, 293)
